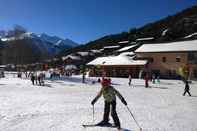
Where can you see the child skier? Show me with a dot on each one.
(187, 88)
(109, 93)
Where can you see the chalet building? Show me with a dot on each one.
(165, 59)
(71, 59)
(116, 66)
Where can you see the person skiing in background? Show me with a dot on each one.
(187, 88)
(146, 80)
(32, 78)
(109, 93)
(130, 79)
(158, 78)
(153, 78)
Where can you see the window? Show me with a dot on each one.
(192, 57)
(151, 60)
(164, 59)
(178, 59)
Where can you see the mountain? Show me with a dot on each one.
(178, 27)
(58, 41)
(29, 48)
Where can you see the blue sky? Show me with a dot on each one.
(85, 20)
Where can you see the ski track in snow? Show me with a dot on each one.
(64, 105)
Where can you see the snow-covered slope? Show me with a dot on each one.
(64, 105)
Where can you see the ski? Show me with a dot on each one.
(107, 126)
(98, 125)
(89, 125)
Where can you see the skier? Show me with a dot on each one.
(41, 79)
(158, 78)
(130, 79)
(146, 80)
(109, 93)
(187, 88)
(32, 78)
(153, 78)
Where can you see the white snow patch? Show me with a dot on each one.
(64, 105)
(169, 47)
(117, 60)
(164, 32)
(189, 36)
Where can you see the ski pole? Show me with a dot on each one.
(134, 118)
(93, 113)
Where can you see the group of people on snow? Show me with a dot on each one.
(155, 77)
(37, 78)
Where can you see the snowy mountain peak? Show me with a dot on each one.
(57, 40)
(50, 45)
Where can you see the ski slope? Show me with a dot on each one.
(64, 105)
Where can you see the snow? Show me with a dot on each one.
(144, 39)
(63, 105)
(164, 32)
(123, 42)
(22, 36)
(72, 57)
(128, 53)
(169, 47)
(111, 47)
(127, 48)
(117, 60)
(95, 51)
(83, 53)
(189, 36)
(58, 42)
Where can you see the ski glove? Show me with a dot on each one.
(124, 102)
(93, 101)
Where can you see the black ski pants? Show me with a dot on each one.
(113, 113)
(186, 91)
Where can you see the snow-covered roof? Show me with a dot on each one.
(101, 50)
(132, 43)
(128, 53)
(83, 53)
(189, 36)
(95, 51)
(122, 42)
(169, 47)
(126, 48)
(72, 57)
(111, 47)
(164, 32)
(116, 60)
(144, 39)
(2, 66)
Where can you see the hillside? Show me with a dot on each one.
(171, 28)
